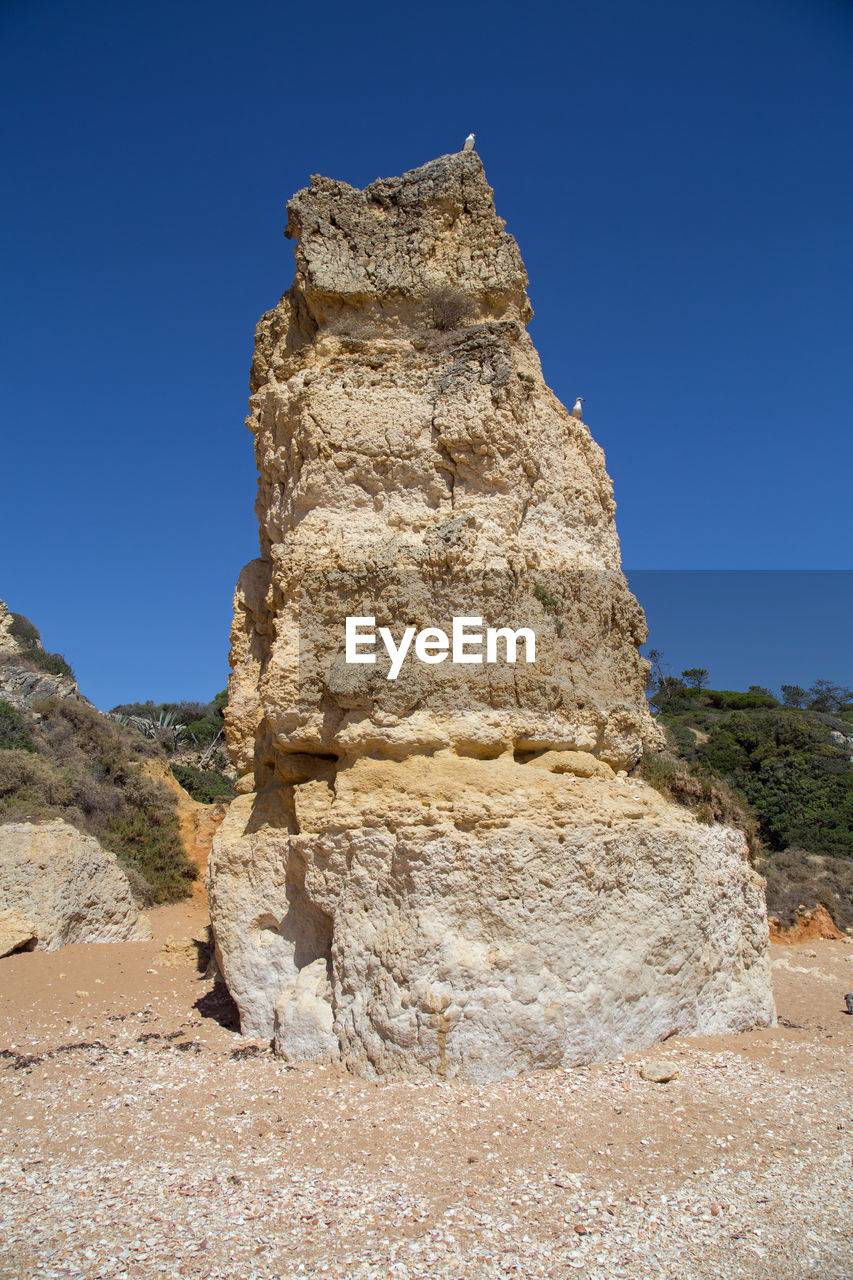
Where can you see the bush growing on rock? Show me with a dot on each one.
(448, 308)
(698, 788)
(29, 638)
(53, 663)
(24, 630)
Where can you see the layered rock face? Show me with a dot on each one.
(434, 867)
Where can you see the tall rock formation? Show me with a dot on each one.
(439, 866)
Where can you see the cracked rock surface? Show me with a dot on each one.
(59, 886)
(488, 894)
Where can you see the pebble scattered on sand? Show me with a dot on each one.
(141, 1138)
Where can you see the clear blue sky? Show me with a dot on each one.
(678, 177)
(751, 626)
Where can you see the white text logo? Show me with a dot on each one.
(433, 645)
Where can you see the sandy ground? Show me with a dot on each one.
(141, 1135)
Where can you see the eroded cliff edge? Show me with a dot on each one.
(443, 873)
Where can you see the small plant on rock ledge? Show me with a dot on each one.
(550, 604)
(449, 307)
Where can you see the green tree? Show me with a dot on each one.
(794, 695)
(798, 781)
(826, 696)
(695, 677)
(662, 687)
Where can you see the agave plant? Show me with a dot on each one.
(165, 728)
(130, 722)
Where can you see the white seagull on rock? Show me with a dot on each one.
(468, 144)
(577, 411)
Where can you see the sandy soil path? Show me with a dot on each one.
(141, 1136)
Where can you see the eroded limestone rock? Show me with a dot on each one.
(66, 886)
(454, 847)
(17, 933)
(414, 473)
(304, 1021)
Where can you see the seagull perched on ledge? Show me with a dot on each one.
(468, 144)
(577, 411)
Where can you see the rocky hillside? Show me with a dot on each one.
(782, 767)
(28, 673)
(60, 758)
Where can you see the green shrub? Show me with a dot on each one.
(89, 771)
(31, 787)
(204, 785)
(14, 734)
(675, 700)
(733, 700)
(146, 710)
(24, 630)
(175, 723)
(797, 780)
(548, 602)
(147, 835)
(697, 788)
(31, 648)
(53, 663)
(203, 731)
(682, 739)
